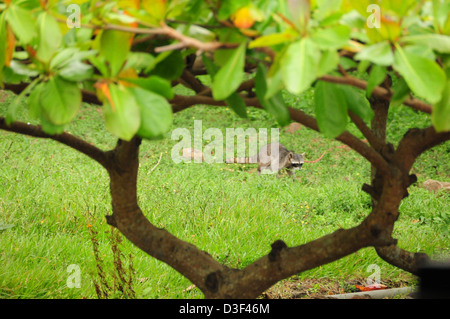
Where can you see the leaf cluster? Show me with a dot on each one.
(130, 54)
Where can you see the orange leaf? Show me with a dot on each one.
(31, 51)
(104, 90)
(371, 287)
(243, 18)
(11, 43)
(133, 24)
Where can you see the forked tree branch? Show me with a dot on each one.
(373, 140)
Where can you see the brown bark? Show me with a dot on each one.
(127, 216)
(402, 259)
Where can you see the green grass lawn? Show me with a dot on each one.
(54, 195)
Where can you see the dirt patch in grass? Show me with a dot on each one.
(323, 288)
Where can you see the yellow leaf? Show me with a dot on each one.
(155, 8)
(124, 4)
(388, 30)
(128, 74)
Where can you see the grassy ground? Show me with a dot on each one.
(54, 196)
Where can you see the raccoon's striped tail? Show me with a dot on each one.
(242, 160)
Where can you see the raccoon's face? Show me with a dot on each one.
(297, 161)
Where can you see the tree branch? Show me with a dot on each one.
(347, 138)
(65, 138)
(378, 91)
(373, 140)
(193, 83)
(410, 262)
(87, 96)
(283, 262)
(185, 41)
(181, 102)
(415, 142)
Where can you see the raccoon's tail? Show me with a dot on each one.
(242, 160)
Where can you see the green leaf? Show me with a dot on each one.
(357, 102)
(228, 7)
(68, 55)
(76, 71)
(237, 103)
(271, 39)
(155, 113)
(401, 92)
(60, 100)
(16, 103)
(332, 38)
(363, 66)
(155, 84)
(123, 117)
(274, 105)
(377, 76)
(275, 75)
(34, 104)
(100, 64)
(22, 22)
(299, 13)
(140, 61)
(22, 69)
(300, 65)
(50, 37)
(424, 76)
(230, 76)
(328, 62)
(379, 53)
(441, 11)
(11, 77)
(169, 66)
(50, 128)
(326, 8)
(437, 42)
(234, 101)
(210, 67)
(114, 47)
(440, 117)
(331, 109)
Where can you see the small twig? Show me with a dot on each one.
(156, 164)
(342, 70)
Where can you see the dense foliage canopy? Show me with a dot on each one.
(127, 52)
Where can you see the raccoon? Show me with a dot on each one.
(266, 160)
